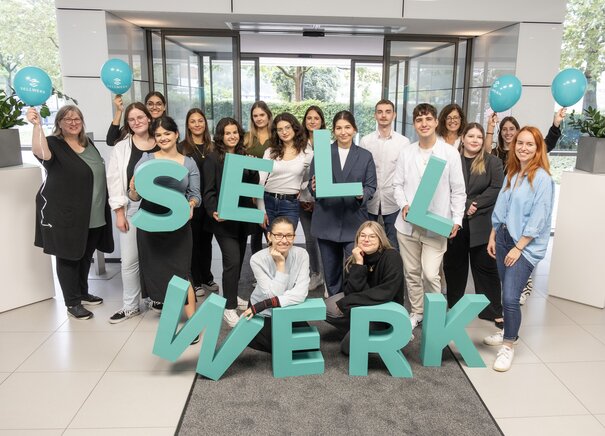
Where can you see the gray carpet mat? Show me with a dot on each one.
(249, 400)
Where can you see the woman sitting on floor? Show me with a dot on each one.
(281, 272)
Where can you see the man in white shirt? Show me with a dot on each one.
(385, 144)
(421, 250)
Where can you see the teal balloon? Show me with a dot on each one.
(505, 93)
(33, 86)
(568, 87)
(116, 76)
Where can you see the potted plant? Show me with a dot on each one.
(591, 147)
(10, 116)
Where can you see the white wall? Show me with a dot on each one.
(329, 45)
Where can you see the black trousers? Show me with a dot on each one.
(73, 274)
(201, 255)
(263, 340)
(483, 268)
(233, 251)
(256, 242)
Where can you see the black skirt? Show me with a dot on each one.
(163, 255)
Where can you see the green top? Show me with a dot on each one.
(257, 149)
(93, 159)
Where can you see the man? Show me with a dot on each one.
(385, 144)
(421, 250)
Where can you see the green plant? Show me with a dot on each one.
(10, 111)
(592, 122)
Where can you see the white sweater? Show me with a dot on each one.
(117, 185)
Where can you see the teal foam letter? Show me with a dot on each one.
(418, 213)
(232, 188)
(324, 183)
(388, 343)
(287, 361)
(170, 345)
(439, 328)
(144, 178)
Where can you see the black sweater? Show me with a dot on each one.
(379, 280)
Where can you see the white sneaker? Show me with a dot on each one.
(242, 304)
(230, 317)
(504, 360)
(416, 319)
(315, 282)
(496, 339)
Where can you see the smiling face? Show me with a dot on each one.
(281, 237)
(285, 132)
(472, 142)
(368, 241)
(313, 120)
(525, 148)
(452, 121)
(196, 124)
(260, 118)
(155, 106)
(165, 139)
(508, 132)
(71, 124)
(138, 121)
(425, 125)
(384, 115)
(230, 137)
(344, 132)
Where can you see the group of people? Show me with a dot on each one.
(361, 248)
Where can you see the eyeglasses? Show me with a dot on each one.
(138, 119)
(279, 236)
(284, 129)
(454, 118)
(371, 237)
(72, 120)
(157, 104)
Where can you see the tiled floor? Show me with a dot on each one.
(62, 376)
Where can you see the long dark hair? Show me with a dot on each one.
(442, 127)
(126, 130)
(277, 145)
(317, 109)
(499, 150)
(188, 146)
(219, 134)
(252, 133)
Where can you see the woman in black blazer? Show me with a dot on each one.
(483, 178)
(336, 219)
(230, 235)
(73, 218)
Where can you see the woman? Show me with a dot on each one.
(281, 272)
(373, 275)
(124, 156)
(313, 120)
(163, 255)
(291, 158)
(521, 230)
(336, 219)
(73, 218)
(156, 104)
(451, 124)
(483, 180)
(197, 144)
(256, 141)
(230, 235)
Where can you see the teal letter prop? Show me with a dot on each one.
(287, 361)
(439, 328)
(418, 213)
(144, 178)
(170, 345)
(388, 343)
(322, 158)
(232, 188)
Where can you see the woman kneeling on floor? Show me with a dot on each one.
(281, 272)
(373, 275)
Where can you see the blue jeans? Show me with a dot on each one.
(275, 207)
(513, 280)
(333, 255)
(389, 227)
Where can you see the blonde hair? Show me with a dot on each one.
(478, 165)
(62, 113)
(383, 241)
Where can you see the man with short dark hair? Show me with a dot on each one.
(422, 250)
(385, 144)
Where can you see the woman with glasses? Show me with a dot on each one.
(281, 272)
(230, 235)
(373, 275)
(521, 230)
(313, 120)
(451, 124)
(291, 158)
(73, 218)
(137, 139)
(197, 144)
(155, 103)
(335, 219)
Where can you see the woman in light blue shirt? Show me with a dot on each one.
(521, 230)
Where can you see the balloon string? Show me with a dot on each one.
(44, 177)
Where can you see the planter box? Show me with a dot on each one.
(10, 148)
(591, 155)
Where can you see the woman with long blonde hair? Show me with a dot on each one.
(521, 231)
